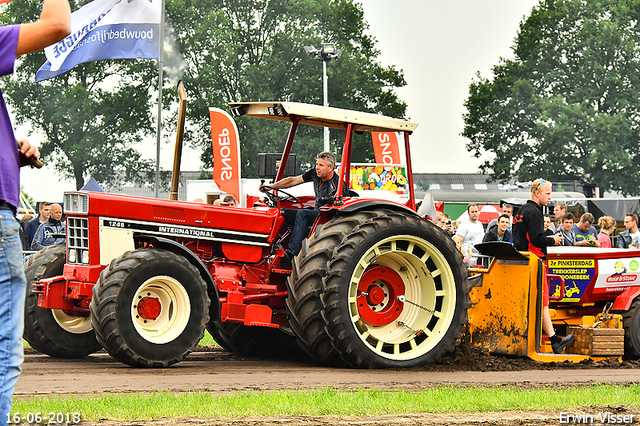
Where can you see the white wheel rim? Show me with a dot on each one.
(174, 313)
(429, 283)
(72, 324)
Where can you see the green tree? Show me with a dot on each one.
(248, 50)
(567, 106)
(232, 50)
(91, 116)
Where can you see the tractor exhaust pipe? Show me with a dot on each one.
(177, 156)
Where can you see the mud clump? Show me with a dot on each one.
(471, 358)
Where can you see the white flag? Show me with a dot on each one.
(106, 29)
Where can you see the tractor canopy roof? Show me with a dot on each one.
(317, 115)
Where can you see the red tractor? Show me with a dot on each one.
(374, 285)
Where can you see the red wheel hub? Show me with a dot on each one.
(149, 308)
(377, 296)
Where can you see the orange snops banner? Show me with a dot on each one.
(226, 152)
(385, 147)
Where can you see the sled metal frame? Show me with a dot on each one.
(506, 308)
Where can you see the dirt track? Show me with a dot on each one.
(221, 372)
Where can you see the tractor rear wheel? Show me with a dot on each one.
(258, 342)
(150, 308)
(631, 321)
(52, 331)
(212, 328)
(396, 294)
(305, 286)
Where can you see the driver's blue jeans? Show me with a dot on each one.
(304, 218)
(12, 291)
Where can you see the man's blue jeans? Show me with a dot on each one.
(12, 293)
(303, 219)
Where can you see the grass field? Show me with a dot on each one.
(328, 401)
(324, 402)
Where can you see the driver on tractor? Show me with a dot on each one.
(325, 184)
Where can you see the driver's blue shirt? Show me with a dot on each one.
(325, 190)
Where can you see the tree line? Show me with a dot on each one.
(94, 116)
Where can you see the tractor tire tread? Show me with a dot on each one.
(305, 286)
(631, 323)
(343, 254)
(104, 301)
(41, 337)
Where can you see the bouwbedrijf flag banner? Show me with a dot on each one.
(106, 29)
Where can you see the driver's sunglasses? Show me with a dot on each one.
(542, 181)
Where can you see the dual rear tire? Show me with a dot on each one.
(377, 290)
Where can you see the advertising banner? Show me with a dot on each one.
(386, 147)
(379, 178)
(577, 274)
(226, 152)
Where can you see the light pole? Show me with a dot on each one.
(326, 53)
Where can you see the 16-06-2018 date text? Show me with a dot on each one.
(44, 418)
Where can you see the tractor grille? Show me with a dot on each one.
(78, 240)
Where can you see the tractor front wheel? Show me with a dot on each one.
(52, 331)
(396, 293)
(150, 308)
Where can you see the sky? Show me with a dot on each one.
(439, 45)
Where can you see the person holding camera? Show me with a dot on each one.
(444, 222)
(325, 185)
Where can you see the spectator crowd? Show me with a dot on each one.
(46, 229)
(582, 232)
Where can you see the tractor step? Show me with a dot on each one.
(551, 357)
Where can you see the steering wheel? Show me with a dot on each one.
(274, 195)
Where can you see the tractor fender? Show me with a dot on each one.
(359, 205)
(179, 249)
(624, 299)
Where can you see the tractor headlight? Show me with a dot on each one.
(72, 255)
(76, 203)
(85, 257)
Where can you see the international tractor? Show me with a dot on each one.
(374, 286)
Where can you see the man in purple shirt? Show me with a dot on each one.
(16, 40)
